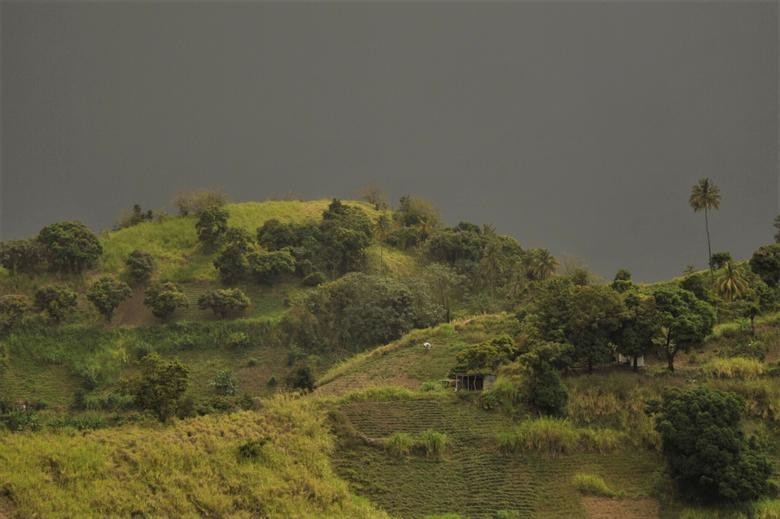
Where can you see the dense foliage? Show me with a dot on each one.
(140, 266)
(164, 298)
(107, 293)
(69, 247)
(58, 302)
(224, 302)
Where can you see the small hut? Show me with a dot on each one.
(473, 381)
(629, 360)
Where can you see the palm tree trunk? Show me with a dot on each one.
(709, 247)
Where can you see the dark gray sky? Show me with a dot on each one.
(575, 126)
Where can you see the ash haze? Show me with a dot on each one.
(575, 126)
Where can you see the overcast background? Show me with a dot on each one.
(579, 127)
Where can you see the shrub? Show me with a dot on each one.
(69, 247)
(106, 294)
(399, 443)
(211, 226)
(13, 307)
(592, 485)
(545, 391)
(225, 383)
(301, 377)
(269, 267)
(18, 420)
(140, 266)
(556, 436)
(224, 302)
(735, 367)
(57, 302)
(164, 298)
(251, 449)
(765, 262)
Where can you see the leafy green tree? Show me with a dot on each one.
(69, 247)
(486, 356)
(140, 266)
(720, 259)
(161, 385)
(765, 262)
(21, 256)
(705, 195)
(345, 232)
(685, 320)
(224, 302)
(697, 284)
(706, 451)
(57, 302)
(542, 386)
(639, 327)
(164, 298)
(233, 262)
(107, 294)
(731, 284)
(13, 308)
(195, 202)
(445, 284)
(597, 312)
(269, 267)
(211, 226)
(622, 281)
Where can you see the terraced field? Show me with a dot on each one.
(475, 479)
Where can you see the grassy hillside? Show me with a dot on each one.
(174, 243)
(248, 464)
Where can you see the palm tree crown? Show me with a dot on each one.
(731, 284)
(705, 195)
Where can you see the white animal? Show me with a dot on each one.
(427, 346)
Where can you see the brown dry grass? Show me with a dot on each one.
(606, 508)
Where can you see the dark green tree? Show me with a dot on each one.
(164, 298)
(161, 385)
(69, 247)
(211, 226)
(640, 326)
(706, 451)
(765, 262)
(140, 266)
(21, 256)
(719, 259)
(486, 356)
(622, 281)
(685, 320)
(301, 377)
(107, 294)
(597, 312)
(269, 267)
(224, 302)
(446, 284)
(542, 386)
(57, 302)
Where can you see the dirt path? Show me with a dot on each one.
(606, 508)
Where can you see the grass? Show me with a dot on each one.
(592, 485)
(557, 436)
(193, 468)
(735, 367)
(430, 443)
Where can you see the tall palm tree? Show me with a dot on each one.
(705, 195)
(731, 284)
(542, 264)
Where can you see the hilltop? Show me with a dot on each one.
(297, 358)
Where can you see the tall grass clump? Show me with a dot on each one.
(429, 443)
(735, 367)
(557, 436)
(592, 485)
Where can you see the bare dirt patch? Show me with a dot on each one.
(606, 508)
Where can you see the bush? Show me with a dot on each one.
(13, 308)
(736, 367)
(251, 449)
(545, 391)
(18, 420)
(161, 385)
(107, 294)
(224, 302)
(592, 485)
(225, 383)
(164, 298)
(140, 266)
(765, 262)
(269, 267)
(237, 340)
(57, 302)
(557, 436)
(69, 247)
(301, 377)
